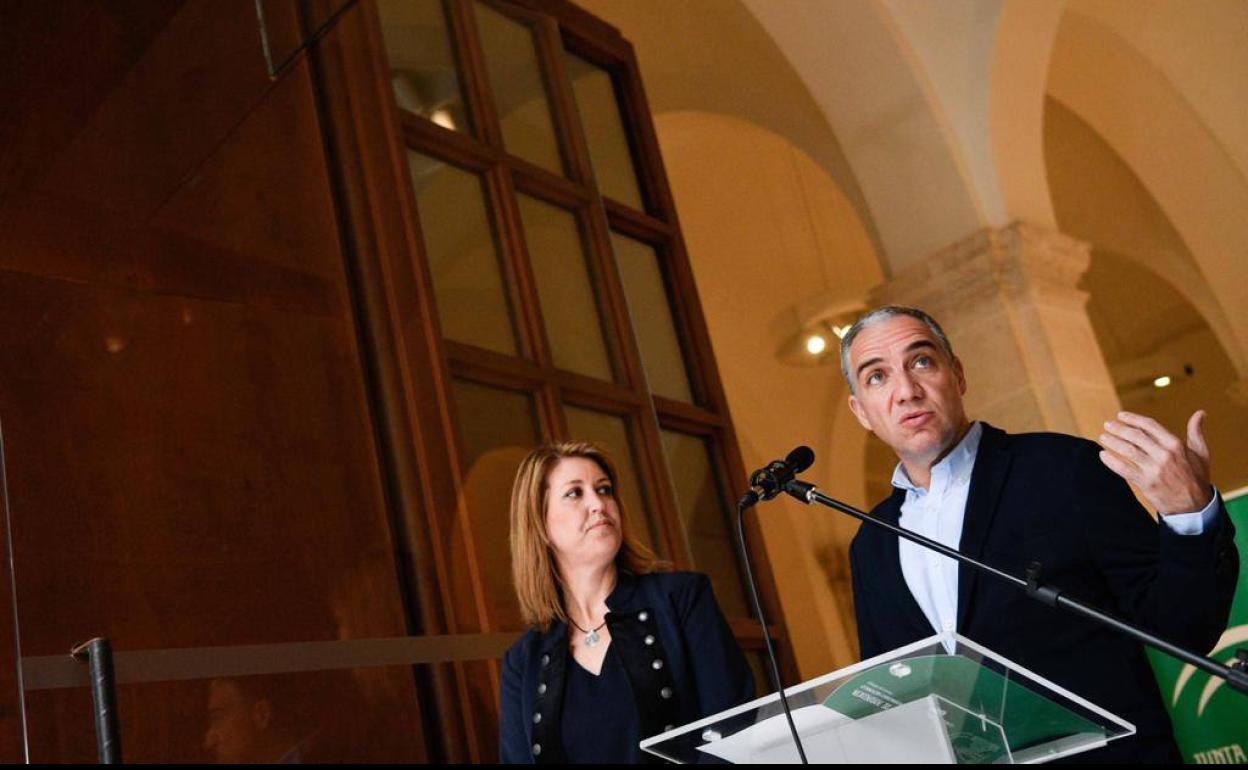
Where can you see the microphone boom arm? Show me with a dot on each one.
(1236, 675)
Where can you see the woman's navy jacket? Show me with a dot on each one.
(680, 657)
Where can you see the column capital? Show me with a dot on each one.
(1017, 259)
(1009, 299)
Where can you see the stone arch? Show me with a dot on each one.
(1137, 253)
(1113, 88)
(870, 81)
(1021, 53)
(1100, 199)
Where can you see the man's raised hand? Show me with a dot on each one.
(1171, 475)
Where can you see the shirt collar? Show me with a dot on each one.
(956, 464)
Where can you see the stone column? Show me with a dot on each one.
(1007, 298)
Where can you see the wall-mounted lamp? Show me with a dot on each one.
(816, 344)
(821, 324)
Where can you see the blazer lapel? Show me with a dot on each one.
(992, 464)
(890, 560)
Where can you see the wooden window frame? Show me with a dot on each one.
(411, 367)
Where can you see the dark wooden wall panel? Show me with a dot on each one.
(50, 86)
(191, 452)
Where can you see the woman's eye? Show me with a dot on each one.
(605, 490)
(574, 492)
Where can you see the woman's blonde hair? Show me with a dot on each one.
(533, 567)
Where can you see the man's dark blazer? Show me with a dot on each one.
(1047, 497)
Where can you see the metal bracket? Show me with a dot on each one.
(98, 655)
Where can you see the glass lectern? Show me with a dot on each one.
(944, 699)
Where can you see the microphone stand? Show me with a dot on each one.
(746, 502)
(1235, 674)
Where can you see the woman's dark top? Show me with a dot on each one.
(600, 721)
(679, 658)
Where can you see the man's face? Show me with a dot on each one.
(909, 392)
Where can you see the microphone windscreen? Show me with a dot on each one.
(800, 459)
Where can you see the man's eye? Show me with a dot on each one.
(875, 378)
(923, 361)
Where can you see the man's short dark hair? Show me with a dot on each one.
(883, 313)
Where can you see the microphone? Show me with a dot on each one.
(766, 483)
(769, 481)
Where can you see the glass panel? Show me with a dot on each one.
(611, 432)
(191, 456)
(499, 428)
(351, 714)
(651, 314)
(704, 515)
(463, 255)
(519, 90)
(943, 700)
(422, 64)
(569, 302)
(604, 130)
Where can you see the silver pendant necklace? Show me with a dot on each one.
(591, 635)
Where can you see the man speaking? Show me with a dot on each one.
(1010, 500)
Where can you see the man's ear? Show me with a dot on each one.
(858, 411)
(957, 368)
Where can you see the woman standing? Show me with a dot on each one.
(619, 650)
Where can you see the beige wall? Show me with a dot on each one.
(766, 227)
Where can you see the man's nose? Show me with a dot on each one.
(908, 388)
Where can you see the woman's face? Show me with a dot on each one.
(582, 518)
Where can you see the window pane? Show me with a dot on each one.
(499, 428)
(604, 131)
(706, 519)
(652, 319)
(611, 432)
(568, 300)
(519, 90)
(422, 64)
(463, 255)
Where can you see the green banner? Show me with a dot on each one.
(1210, 719)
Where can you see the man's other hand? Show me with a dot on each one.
(1171, 475)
